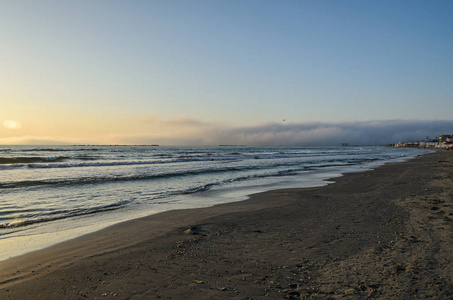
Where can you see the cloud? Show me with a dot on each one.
(323, 133)
(187, 131)
(193, 132)
(32, 140)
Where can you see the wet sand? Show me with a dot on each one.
(386, 234)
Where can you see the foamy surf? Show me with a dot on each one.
(88, 188)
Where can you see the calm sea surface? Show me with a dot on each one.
(52, 193)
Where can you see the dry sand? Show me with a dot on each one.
(386, 233)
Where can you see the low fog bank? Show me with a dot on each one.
(193, 132)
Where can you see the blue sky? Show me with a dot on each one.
(99, 71)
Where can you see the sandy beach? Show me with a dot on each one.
(386, 233)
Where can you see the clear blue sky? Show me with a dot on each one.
(75, 69)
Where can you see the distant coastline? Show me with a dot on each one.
(444, 141)
(424, 145)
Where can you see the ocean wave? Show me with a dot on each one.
(89, 160)
(62, 215)
(102, 179)
(29, 160)
(57, 149)
(275, 173)
(172, 173)
(113, 163)
(33, 162)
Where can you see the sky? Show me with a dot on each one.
(204, 72)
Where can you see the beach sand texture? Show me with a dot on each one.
(386, 234)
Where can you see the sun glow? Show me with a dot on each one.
(10, 124)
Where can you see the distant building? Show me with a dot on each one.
(443, 141)
(445, 138)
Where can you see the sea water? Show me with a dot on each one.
(49, 194)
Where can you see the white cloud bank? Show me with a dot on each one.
(193, 132)
(295, 134)
(354, 133)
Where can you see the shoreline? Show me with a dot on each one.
(47, 234)
(349, 238)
